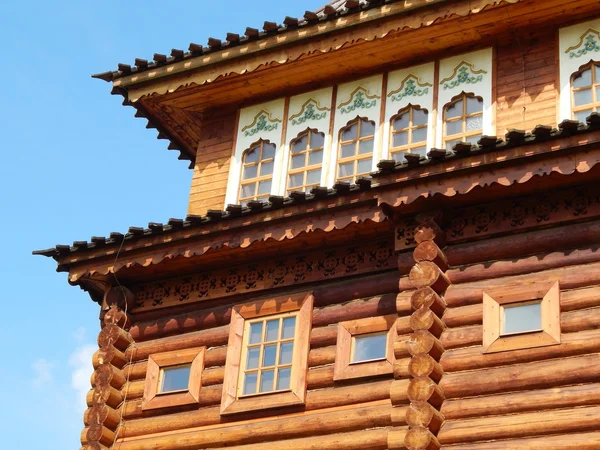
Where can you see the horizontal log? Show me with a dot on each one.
(536, 375)
(430, 231)
(195, 317)
(268, 430)
(399, 392)
(426, 320)
(424, 389)
(528, 243)
(429, 251)
(427, 298)
(461, 337)
(571, 277)
(520, 425)
(356, 440)
(572, 441)
(420, 438)
(422, 414)
(427, 274)
(403, 303)
(102, 414)
(543, 399)
(356, 309)
(109, 355)
(107, 374)
(572, 344)
(103, 394)
(315, 400)
(580, 320)
(99, 433)
(114, 335)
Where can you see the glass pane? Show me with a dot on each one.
(419, 117)
(366, 128)
(295, 180)
(420, 151)
(584, 79)
(473, 139)
(266, 380)
(272, 330)
(522, 318)
(256, 332)
(450, 144)
(298, 161)
(454, 127)
(248, 190)
(283, 380)
(398, 156)
(315, 157)
(268, 151)
(250, 383)
(176, 378)
(474, 105)
(253, 357)
(266, 169)
(346, 170)
(349, 133)
(474, 123)
(454, 110)
(401, 122)
(317, 140)
(285, 355)
(582, 115)
(364, 166)
(365, 147)
(313, 177)
(400, 139)
(370, 347)
(250, 172)
(289, 328)
(264, 187)
(597, 73)
(348, 150)
(269, 355)
(419, 135)
(300, 144)
(582, 97)
(251, 156)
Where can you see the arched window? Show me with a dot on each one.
(463, 120)
(257, 172)
(355, 156)
(408, 132)
(306, 161)
(585, 86)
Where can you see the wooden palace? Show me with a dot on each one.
(392, 241)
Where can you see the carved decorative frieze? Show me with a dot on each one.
(588, 43)
(359, 99)
(263, 121)
(310, 111)
(516, 214)
(284, 271)
(411, 86)
(464, 73)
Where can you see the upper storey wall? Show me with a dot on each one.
(517, 82)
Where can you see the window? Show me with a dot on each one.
(585, 86)
(409, 132)
(526, 317)
(365, 347)
(173, 378)
(306, 160)
(267, 354)
(463, 120)
(355, 155)
(257, 172)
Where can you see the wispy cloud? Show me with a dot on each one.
(42, 372)
(79, 334)
(81, 364)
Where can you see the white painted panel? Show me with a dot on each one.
(310, 110)
(264, 121)
(411, 86)
(360, 98)
(577, 46)
(470, 73)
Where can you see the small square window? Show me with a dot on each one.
(369, 347)
(364, 347)
(521, 318)
(173, 378)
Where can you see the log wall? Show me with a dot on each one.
(545, 397)
(345, 414)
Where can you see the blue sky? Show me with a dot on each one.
(76, 164)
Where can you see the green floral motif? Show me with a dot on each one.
(261, 125)
(410, 90)
(309, 114)
(463, 77)
(590, 45)
(358, 102)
